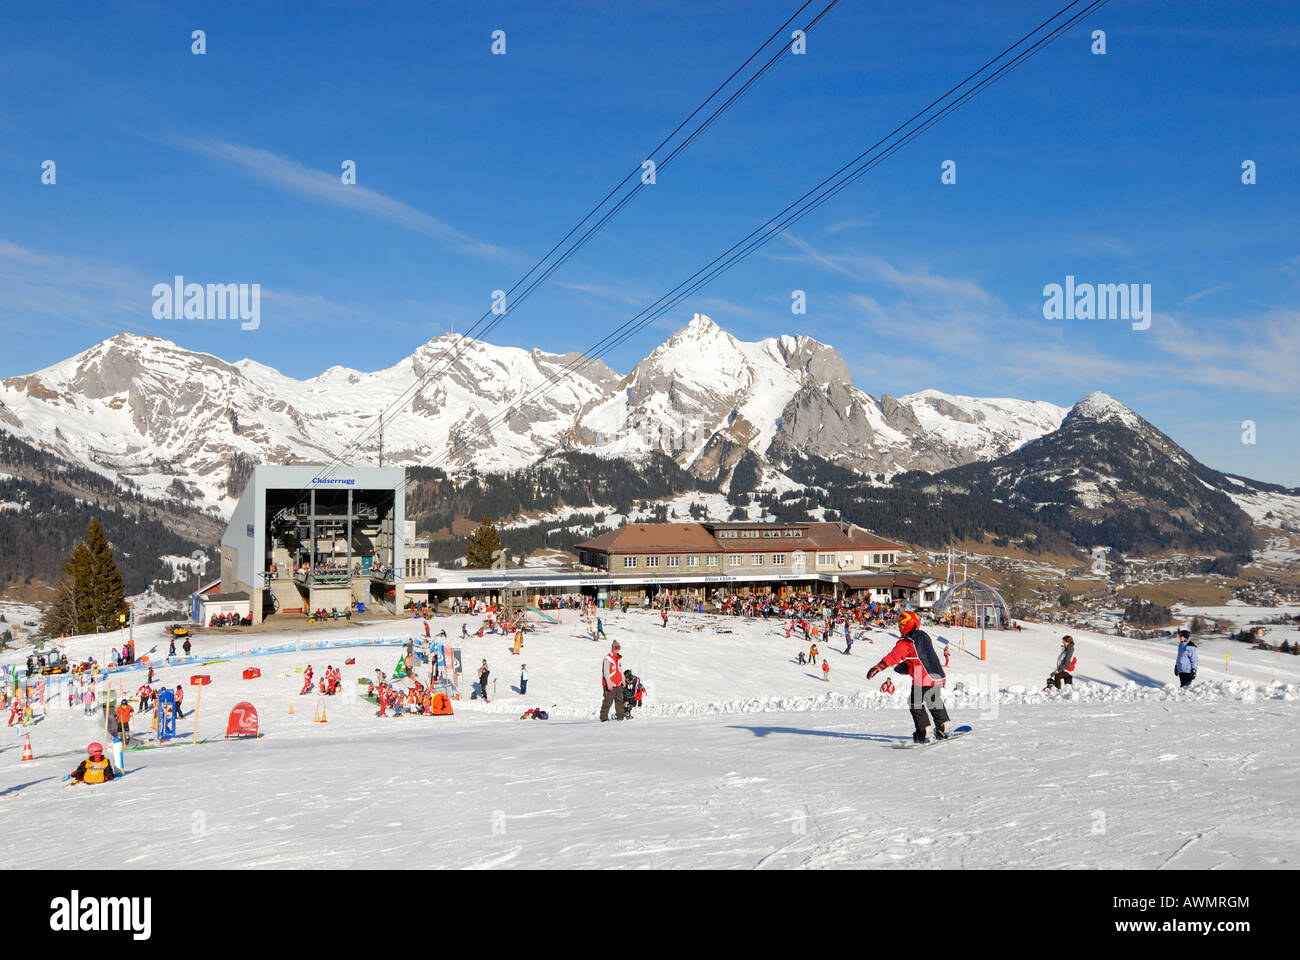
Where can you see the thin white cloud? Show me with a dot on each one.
(1202, 294)
(290, 175)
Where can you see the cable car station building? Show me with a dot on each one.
(302, 540)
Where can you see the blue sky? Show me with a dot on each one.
(1122, 168)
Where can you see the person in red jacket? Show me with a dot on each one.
(914, 654)
(611, 680)
(306, 681)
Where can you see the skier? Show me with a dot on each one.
(306, 681)
(664, 613)
(914, 654)
(802, 659)
(95, 768)
(523, 679)
(812, 654)
(1064, 664)
(1187, 662)
(611, 681)
(124, 719)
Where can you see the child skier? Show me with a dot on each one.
(914, 654)
(1187, 662)
(95, 768)
(826, 670)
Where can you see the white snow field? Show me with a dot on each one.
(742, 759)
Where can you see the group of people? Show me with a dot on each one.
(331, 614)
(330, 681)
(230, 620)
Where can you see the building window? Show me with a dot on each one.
(889, 559)
(825, 559)
(674, 562)
(778, 559)
(794, 533)
(652, 561)
(733, 560)
(848, 558)
(713, 560)
(757, 560)
(727, 534)
(629, 562)
(692, 561)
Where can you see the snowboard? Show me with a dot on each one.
(956, 732)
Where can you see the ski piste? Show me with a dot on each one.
(957, 732)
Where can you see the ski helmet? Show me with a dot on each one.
(95, 749)
(908, 622)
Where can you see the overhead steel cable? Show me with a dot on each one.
(492, 318)
(809, 201)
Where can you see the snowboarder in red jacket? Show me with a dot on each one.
(914, 655)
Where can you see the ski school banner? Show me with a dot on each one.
(258, 652)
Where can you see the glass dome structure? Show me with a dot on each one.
(973, 603)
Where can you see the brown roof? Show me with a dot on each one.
(908, 581)
(696, 537)
(829, 536)
(654, 538)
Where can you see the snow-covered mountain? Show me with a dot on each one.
(174, 423)
(1107, 476)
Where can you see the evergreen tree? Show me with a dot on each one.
(107, 595)
(483, 543)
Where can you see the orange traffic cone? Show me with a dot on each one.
(320, 712)
(27, 747)
(291, 709)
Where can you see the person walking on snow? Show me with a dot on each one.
(1064, 664)
(1187, 662)
(523, 679)
(826, 670)
(124, 720)
(664, 613)
(483, 674)
(914, 655)
(600, 629)
(812, 654)
(180, 695)
(306, 681)
(611, 681)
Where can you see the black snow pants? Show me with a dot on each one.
(923, 698)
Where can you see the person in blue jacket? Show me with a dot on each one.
(1187, 662)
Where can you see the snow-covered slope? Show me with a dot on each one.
(754, 761)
